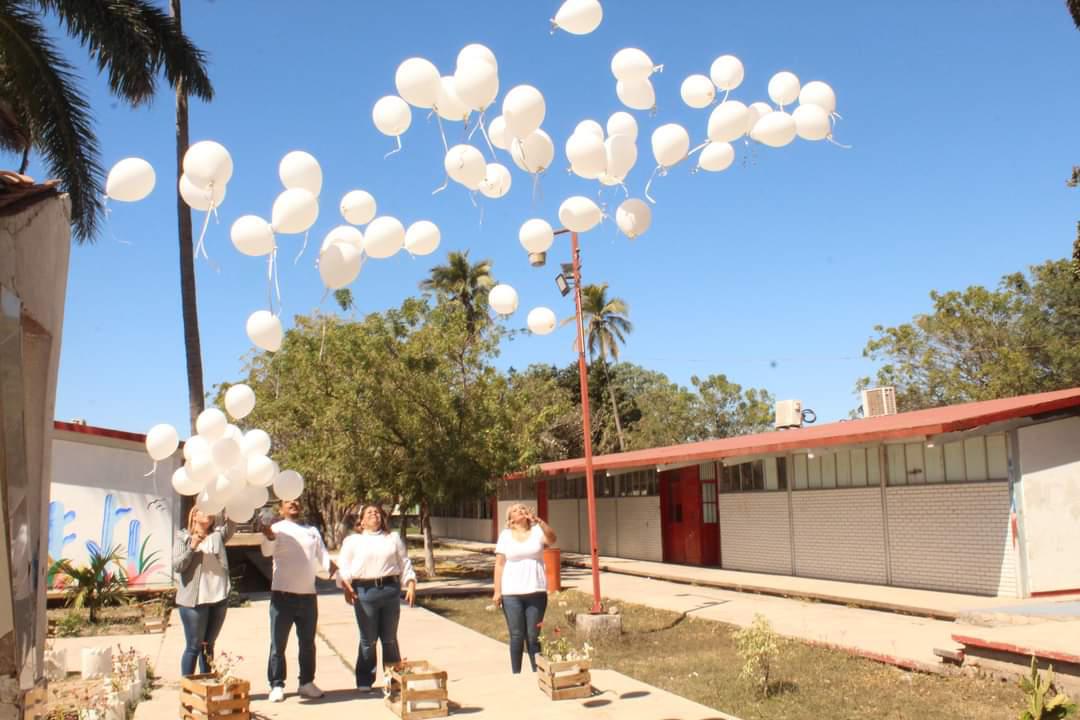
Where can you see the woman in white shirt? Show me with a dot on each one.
(373, 566)
(520, 580)
(202, 594)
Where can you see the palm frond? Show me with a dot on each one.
(1074, 10)
(57, 115)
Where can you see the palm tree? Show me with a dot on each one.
(1074, 10)
(42, 108)
(606, 327)
(461, 281)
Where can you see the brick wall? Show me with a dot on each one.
(953, 538)
(754, 532)
(639, 528)
(839, 534)
(563, 518)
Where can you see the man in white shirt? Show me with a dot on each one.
(299, 554)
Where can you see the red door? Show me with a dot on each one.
(710, 523)
(680, 508)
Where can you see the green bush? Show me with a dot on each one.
(96, 585)
(70, 624)
(758, 646)
(1036, 687)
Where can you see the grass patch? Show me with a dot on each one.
(696, 659)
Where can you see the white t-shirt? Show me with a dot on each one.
(213, 580)
(299, 553)
(369, 556)
(523, 572)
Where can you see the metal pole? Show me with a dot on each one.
(590, 489)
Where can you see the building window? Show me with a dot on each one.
(708, 502)
(639, 483)
(975, 459)
(754, 476)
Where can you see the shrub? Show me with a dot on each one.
(69, 624)
(758, 646)
(1036, 687)
(96, 585)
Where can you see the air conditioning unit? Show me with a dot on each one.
(788, 414)
(879, 401)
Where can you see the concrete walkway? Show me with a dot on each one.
(480, 683)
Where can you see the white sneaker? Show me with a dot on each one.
(277, 694)
(310, 690)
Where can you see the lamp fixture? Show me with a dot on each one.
(562, 284)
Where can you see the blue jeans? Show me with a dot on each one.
(202, 624)
(286, 610)
(378, 609)
(524, 613)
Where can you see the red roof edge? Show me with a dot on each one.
(99, 431)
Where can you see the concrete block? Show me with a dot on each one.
(595, 626)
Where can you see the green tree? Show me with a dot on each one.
(132, 42)
(980, 344)
(463, 282)
(606, 327)
(727, 410)
(102, 582)
(670, 415)
(544, 419)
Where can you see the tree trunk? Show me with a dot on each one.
(614, 408)
(429, 547)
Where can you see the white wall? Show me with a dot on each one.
(1050, 494)
(453, 528)
(839, 534)
(755, 533)
(639, 528)
(563, 518)
(99, 495)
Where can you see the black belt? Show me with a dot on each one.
(378, 582)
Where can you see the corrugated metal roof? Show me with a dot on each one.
(934, 421)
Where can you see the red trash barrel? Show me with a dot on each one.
(553, 569)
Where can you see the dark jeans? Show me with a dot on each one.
(377, 609)
(202, 624)
(524, 613)
(286, 610)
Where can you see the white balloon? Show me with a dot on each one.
(698, 91)
(211, 424)
(579, 214)
(727, 72)
(818, 93)
(201, 470)
(729, 121)
(638, 95)
(474, 52)
(260, 471)
(288, 485)
(255, 442)
(496, 181)
(161, 441)
(209, 503)
(811, 122)
(339, 264)
(670, 143)
(183, 484)
(239, 509)
(784, 88)
(130, 180)
(621, 151)
(391, 116)
(358, 207)
(776, 129)
(449, 105)
(535, 153)
(196, 446)
(239, 401)
(201, 198)
(237, 474)
(591, 127)
(476, 83)
(716, 156)
(579, 17)
(586, 153)
(622, 123)
(496, 131)
(226, 453)
(264, 331)
(541, 321)
(299, 169)
(755, 112)
(632, 65)
(252, 236)
(633, 217)
(234, 432)
(523, 111)
(345, 234)
(295, 211)
(422, 238)
(208, 162)
(417, 82)
(385, 236)
(503, 299)
(224, 488)
(257, 495)
(465, 164)
(536, 235)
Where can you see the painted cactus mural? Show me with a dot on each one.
(140, 564)
(59, 538)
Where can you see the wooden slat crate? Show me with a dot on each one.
(566, 680)
(417, 690)
(204, 697)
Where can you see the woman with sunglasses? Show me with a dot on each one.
(374, 566)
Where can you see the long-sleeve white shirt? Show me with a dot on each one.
(299, 553)
(368, 556)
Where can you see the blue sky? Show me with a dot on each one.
(961, 118)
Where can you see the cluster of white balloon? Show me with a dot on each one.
(227, 469)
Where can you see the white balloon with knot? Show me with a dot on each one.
(392, 117)
(541, 321)
(580, 214)
(207, 168)
(534, 153)
(536, 236)
(578, 17)
(341, 257)
(358, 207)
(300, 170)
(130, 180)
(633, 217)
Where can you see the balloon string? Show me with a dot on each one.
(442, 187)
(839, 145)
(658, 68)
(277, 279)
(625, 189)
(396, 150)
(483, 131)
(201, 245)
(152, 470)
(698, 148)
(648, 185)
(302, 247)
(537, 193)
(442, 133)
(726, 93)
(554, 26)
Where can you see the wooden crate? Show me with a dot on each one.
(205, 697)
(566, 680)
(415, 689)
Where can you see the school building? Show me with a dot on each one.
(979, 498)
